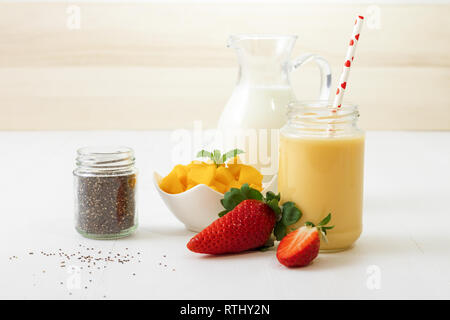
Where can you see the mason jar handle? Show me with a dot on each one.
(325, 71)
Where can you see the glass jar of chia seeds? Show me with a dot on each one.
(105, 192)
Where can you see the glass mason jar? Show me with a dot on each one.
(105, 192)
(322, 168)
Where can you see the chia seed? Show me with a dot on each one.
(105, 193)
(106, 205)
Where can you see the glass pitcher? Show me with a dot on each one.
(257, 107)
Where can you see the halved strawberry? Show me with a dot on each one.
(301, 246)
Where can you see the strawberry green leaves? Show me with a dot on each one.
(217, 157)
(250, 193)
(272, 201)
(290, 214)
(235, 196)
(322, 226)
(287, 215)
(231, 199)
(279, 231)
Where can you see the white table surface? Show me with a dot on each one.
(405, 242)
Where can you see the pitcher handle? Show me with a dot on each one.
(325, 71)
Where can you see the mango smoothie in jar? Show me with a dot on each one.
(321, 168)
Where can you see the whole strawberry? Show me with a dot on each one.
(247, 226)
(246, 223)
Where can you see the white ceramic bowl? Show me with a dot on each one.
(198, 207)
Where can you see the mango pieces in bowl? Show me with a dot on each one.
(193, 192)
(217, 174)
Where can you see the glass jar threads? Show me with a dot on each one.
(105, 192)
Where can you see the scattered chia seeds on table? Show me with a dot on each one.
(83, 256)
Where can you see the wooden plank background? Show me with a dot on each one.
(164, 65)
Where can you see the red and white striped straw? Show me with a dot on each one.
(342, 85)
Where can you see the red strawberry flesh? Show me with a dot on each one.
(247, 226)
(299, 247)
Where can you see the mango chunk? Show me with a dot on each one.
(201, 174)
(235, 170)
(221, 177)
(218, 186)
(250, 175)
(235, 184)
(224, 175)
(171, 183)
(197, 162)
(235, 160)
(181, 172)
(214, 188)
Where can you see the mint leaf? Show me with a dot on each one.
(217, 157)
(204, 154)
(231, 154)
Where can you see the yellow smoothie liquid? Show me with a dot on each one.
(325, 175)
